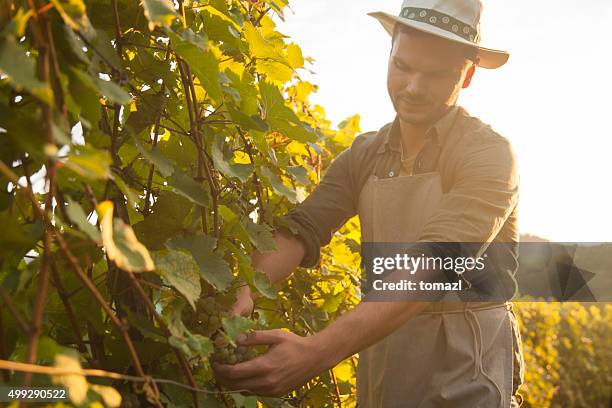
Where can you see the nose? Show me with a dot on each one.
(416, 85)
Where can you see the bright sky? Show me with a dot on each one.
(552, 99)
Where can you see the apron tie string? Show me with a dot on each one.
(474, 324)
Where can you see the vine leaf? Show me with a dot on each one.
(213, 267)
(20, 68)
(74, 14)
(90, 163)
(240, 171)
(260, 236)
(113, 92)
(236, 325)
(159, 12)
(202, 62)
(77, 215)
(263, 285)
(75, 384)
(280, 117)
(184, 185)
(278, 185)
(181, 271)
(109, 395)
(154, 156)
(120, 242)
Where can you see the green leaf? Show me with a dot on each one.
(248, 122)
(111, 91)
(261, 236)
(244, 401)
(149, 108)
(278, 185)
(74, 14)
(180, 270)
(280, 117)
(201, 345)
(83, 90)
(204, 64)
(236, 325)
(20, 68)
(213, 267)
(186, 186)
(164, 165)
(262, 283)
(77, 215)
(14, 236)
(240, 171)
(166, 221)
(159, 12)
(90, 163)
(300, 174)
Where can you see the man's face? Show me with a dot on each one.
(425, 76)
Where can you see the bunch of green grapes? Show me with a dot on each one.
(226, 353)
(206, 319)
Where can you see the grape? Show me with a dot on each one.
(214, 321)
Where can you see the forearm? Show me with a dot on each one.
(367, 324)
(280, 263)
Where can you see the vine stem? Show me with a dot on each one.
(8, 301)
(147, 200)
(249, 149)
(336, 389)
(42, 42)
(203, 166)
(61, 291)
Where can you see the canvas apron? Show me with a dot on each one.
(452, 354)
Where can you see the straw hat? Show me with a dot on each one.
(454, 20)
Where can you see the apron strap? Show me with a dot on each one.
(474, 324)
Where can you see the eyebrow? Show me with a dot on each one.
(435, 72)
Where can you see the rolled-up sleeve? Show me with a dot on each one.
(325, 210)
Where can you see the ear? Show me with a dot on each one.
(469, 75)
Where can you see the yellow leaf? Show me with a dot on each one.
(120, 242)
(76, 384)
(241, 157)
(260, 48)
(109, 395)
(294, 55)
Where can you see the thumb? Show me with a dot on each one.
(262, 337)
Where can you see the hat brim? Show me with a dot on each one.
(488, 58)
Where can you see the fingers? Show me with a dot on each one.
(243, 308)
(262, 337)
(244, 302)
(253, 376)
(231, 373)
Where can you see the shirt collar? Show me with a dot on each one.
(438, 131)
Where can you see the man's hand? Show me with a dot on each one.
(290, 361)
(244, 302)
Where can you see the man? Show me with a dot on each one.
(417, 353)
